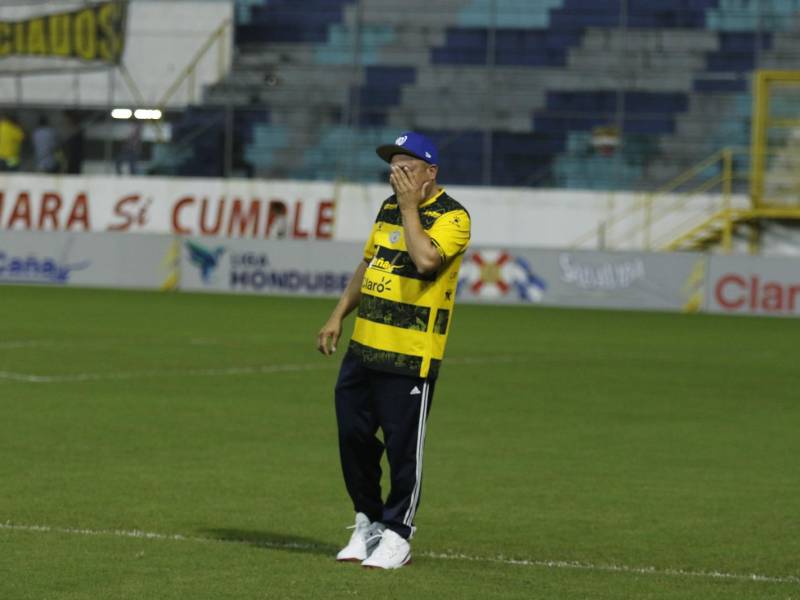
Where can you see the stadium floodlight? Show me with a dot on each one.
(121, 113)
(147, 114)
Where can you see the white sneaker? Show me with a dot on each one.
(364, 540)
(393, 552)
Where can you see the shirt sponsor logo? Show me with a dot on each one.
(382, 264)
(384, 285)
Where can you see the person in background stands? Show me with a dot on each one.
(45, 147)
(11, 138)
(131, 148)
(73, 147)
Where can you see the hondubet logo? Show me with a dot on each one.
(497, 274)
(204, 259)
(35, 269)
(401, 140)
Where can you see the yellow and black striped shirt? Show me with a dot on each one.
(404, 316)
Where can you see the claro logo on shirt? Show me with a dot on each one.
(376, 286)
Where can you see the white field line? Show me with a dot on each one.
(115, 343)
(220, 372)
(456, 556)
(111, 342)
(217, 372)
(17, 344)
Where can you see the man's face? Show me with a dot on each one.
(417, 169)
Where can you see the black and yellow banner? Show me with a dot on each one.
(94, 34)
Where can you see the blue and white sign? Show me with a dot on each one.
(85, 259)
(285, 267)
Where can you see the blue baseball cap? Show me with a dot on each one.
(413, 144)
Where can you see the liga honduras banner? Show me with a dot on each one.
(83, 36)
(289, 267)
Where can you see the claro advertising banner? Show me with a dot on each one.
(754, 286)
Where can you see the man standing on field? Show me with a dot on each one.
(404, 289)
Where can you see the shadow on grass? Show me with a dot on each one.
(270, 540)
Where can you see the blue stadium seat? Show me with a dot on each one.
(461, 156)
(339, 47)
(243, 10)
(524, 159)
(683, 14)
(199, 136)
(583, 168)
(568, 114)
(752, 15)
(463, 47)
(737, 51)
(736, 57)
(512, 47)
(290, 21)
(513, 14)
(266, 140)
(381, 90)
(346, 152)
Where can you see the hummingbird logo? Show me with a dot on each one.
(204, 258)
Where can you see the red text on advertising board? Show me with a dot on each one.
(131, 211)
(48, 211)
(255, 218)
(736, 293)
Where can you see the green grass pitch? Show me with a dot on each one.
(179, 446)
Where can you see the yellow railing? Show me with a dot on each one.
(763, 84)
(189, 72)
(724, 221)
(666, 200)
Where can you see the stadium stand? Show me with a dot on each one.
(514, 91)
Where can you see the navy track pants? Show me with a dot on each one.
(368, 400)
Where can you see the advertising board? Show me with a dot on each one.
(86, 260)
(629, 280)
(287, 267)
(746, 285)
